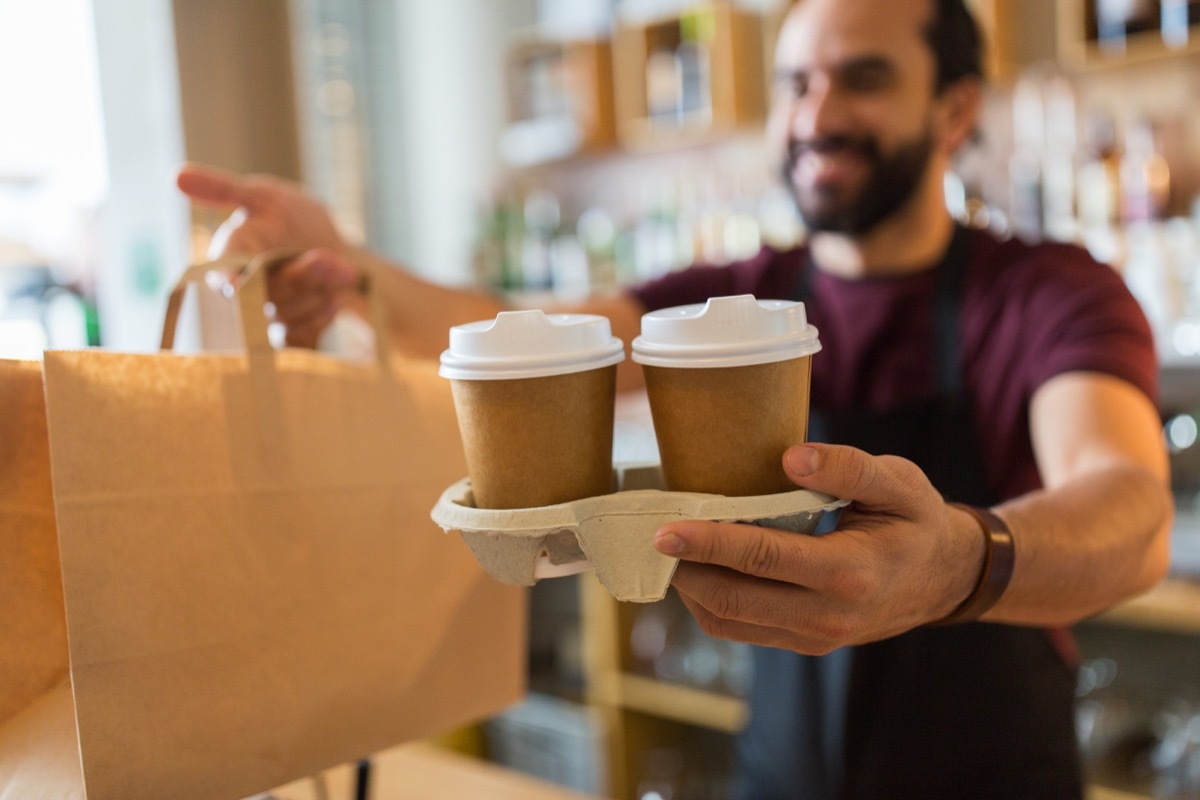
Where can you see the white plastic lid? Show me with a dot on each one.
(530, 344)
(737, 331)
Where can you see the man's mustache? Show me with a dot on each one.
(835, 143)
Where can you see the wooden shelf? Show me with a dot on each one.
(1140, 48)
(674, 702)
(1096, 792)
(426, 772)
(1028, 33)
(1172, 606)
(736, 85)
(1077, 50)
(997, 25)
(638, 709)
(1017, 34)
(560, 99)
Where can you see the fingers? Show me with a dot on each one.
(882, 483)
(213, 186)
(717, 616)
(307, 293)
(312, 272)
(815, 594)
(748, 549)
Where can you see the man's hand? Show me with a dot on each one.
(267, 212)
(270, 213)
(308, 292)
(901, 557)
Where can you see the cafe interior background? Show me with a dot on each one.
(553, 147)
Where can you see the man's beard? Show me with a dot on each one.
(890, 181)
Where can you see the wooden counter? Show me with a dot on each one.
(422, 771)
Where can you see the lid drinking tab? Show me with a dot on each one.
(725, 332)
(530, 344)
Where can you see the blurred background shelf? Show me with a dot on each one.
(672, 701)
(1173, 606)
(1096, 792)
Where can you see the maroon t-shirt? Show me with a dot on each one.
(1028, 313)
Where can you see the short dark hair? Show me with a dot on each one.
(957, 44)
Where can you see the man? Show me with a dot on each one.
(1015, 378)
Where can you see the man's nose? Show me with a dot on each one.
(819, 113)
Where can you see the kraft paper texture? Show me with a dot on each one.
(253, 588)
(538, 441)
(724, 430)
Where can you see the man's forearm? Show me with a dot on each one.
(1085, 546)
(420, 313)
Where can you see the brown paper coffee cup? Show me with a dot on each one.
(728, 382)
(538, 441)
(724, 430)
(534, 395)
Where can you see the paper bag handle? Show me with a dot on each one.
(250, 286)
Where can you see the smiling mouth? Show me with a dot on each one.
(828, 159)
(822, 167)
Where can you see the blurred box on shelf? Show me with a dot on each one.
(554, 739)
(691, 75)
(560, 97)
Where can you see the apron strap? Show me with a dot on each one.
(951, 275)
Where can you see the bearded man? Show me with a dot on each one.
(988, 407)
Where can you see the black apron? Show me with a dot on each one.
(967, 712)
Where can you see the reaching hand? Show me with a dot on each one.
(271, 213)
(901, 557)
(267, 212)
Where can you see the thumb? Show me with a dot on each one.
(883, 483)
(334, 270)
(212, 186)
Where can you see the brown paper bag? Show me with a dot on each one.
(253, 588)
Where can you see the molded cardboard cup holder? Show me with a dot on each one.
(611, 534)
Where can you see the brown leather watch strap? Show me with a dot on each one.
(998, 559)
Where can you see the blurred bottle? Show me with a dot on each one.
(663, 86)
(743, 233)
(1025, 163)
(1110, 24)
(1178, 19)
(597, 233)
(656, 239)
(1145, 176)
(1099, 176)
(1058, 183)
(696, 31)
(498, 241)
(485, 251)
(1151, 278)
(1116, 20)
(545, 90)
(542, 216)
